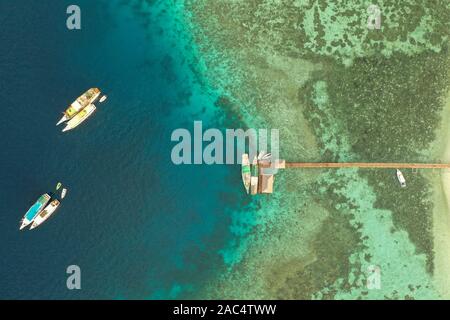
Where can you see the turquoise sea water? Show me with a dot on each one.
(137, 225)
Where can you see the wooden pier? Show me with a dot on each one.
(281, 164)
(266, 179)
(382, 165)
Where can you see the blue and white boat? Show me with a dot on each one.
(34, 210)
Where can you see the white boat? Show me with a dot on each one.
(245, 172)
(264, 155)
(82, 102)
(45, 214)
(401, 178)
(102, 99)
(34, 210)
(80, 117)
(63, 193)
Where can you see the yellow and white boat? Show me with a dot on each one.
(80, 117)
(82, 102)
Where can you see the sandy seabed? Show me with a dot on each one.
(441, 213)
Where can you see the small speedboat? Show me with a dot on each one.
(401, 178)
(245, 171)
(63, 193)
(264, 155)
(103, 98)
(58, 186)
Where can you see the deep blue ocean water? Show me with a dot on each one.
(137, 225)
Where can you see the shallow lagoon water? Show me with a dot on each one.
(345, 84)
